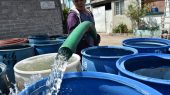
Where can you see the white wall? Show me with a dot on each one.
(109, 22)
(117, 19)
(99, 17)
(106, 20)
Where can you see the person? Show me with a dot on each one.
(75, 17)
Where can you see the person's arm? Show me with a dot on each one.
(72, 22)
(96, 42)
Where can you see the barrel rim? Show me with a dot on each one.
(49, 44)
(83, 52)
(38, 36)
(22, 48)
(165, 41)
(40, 71)
(121, 68)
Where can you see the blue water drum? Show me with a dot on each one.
(36, 39)
(149, 68)
(47, 46)
(93, 83)
(154, 9)
(62, 38)
(4, 83)
(54, 37)
(148, 45)
(103, 58)
(11, 54)
(45, 39)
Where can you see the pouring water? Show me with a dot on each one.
(56, 75)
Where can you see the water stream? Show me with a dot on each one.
(13, 90)
(56, 75)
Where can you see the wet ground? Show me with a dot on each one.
(113, 39)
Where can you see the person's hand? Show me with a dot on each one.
(98, 40)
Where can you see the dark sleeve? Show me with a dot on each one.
(72, 22)
(92, 16)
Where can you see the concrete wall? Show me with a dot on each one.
(20, 18)
(99, 17)
(109, 21)
(160, 4)
(118, 19)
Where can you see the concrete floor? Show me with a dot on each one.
(113, 39)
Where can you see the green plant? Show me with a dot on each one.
(135, 13)
(152, 25)
(65, 12)
(130, 30)
(116, 30)
(121, 28)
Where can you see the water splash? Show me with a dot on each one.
(55, 78)
(33, 79)
(13, 90)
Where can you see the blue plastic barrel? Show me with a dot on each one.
(4, 83)
(150, 68)
(35, 39)
(103, 58)
(54, 37)
(148, 45)
(45, 39)
(62, 38)
(11, 54)
(47, 46)
(94, 83)
(154, 9)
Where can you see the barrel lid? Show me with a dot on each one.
(12, 41)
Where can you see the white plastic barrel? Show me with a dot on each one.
(41, 64)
